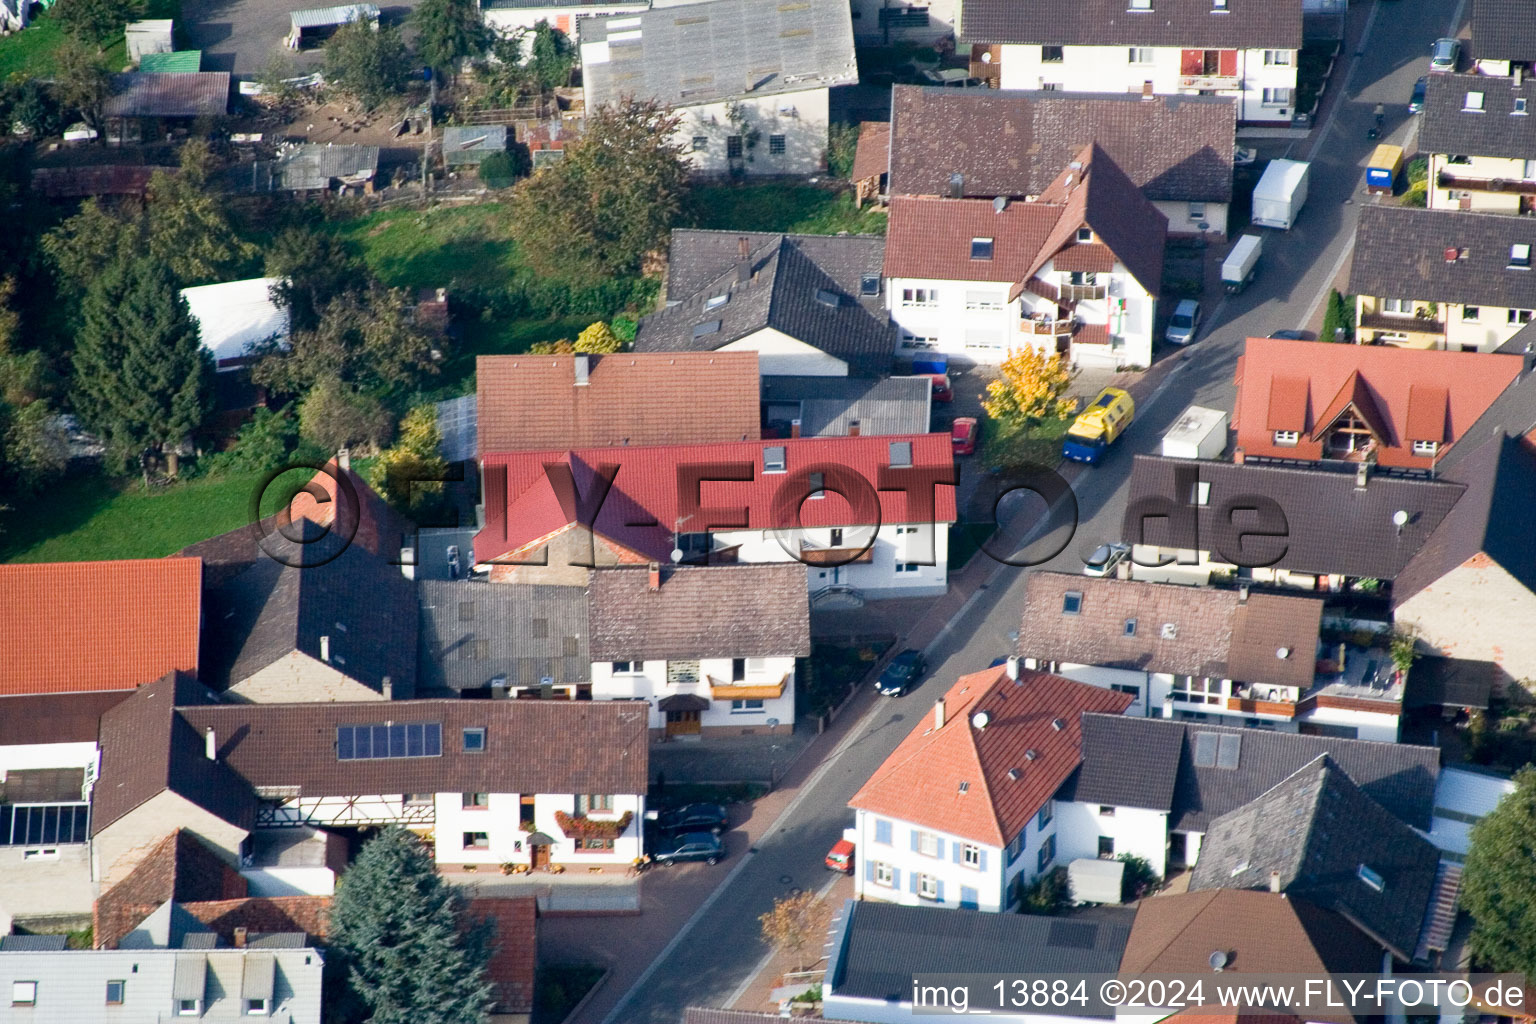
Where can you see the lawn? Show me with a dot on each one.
(805, 209)
(467, 246)
(30, 51)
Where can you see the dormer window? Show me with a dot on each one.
(1473, 102)
(1519, 105)
(981, 248)
(1140, 5)
(1426, 449)
(1520, 256)
(869, 284)
(901, 454)
(1218, 6)
(773, 459)
(1085, 234)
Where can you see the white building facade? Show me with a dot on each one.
(785, 133)
(741, 694)
(891, 560)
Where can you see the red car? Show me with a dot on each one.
(963, 434)
(840, 857)
(942, 392)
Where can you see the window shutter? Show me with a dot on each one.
(938, 851)
(914, 883)
(968, 898)
(982, 864)
(916, 843)
(938, 894)
(882, 832)
(958, 847)
(869, 870)
(1228, 62)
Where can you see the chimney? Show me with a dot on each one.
(388, 687)
(794, 428)
(1274, 881)
(1242, 593)
(938, 713)
(210, 745)
(655, 576)
(1362, 474)
(583, 367)
(956, 185)
(1013, 669)
(853, 428)
(442, 295)
(1519, 73)
(240, 934)
(1238, 457)
(741, 247)
(344, 459)
(325, 649)
(1146, 90)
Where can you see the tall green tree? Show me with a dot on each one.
(32, 447)
(316, 267)
(80, 80)
(97, 22)
(551, 56)
(142, 378)
(369, 341)
(370, 65)
(611, 201)
(397, 927)
(449, 32)
(1498, 883)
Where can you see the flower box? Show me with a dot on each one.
(593, 828)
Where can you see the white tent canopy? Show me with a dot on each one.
(235, 315)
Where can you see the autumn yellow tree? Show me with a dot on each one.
(409, 474)
(1031, 386)
(598, 339)
(796, 922)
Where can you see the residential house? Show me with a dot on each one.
(808, 305)
(280, 980)
(492, 782)
(508, 640)
(1240, 656)
(533, 403)
(128, 623)
(1246, 49)
(179, 869)
(236, 317)
(1152, 787)
(710, 649)
(1477, 132)
(985, 143)
(1469, 287)
(879, 528)
(877, 949)
(508, 17)
(1076, 272)
(1318, 838)
(1309, 401)
(748, 80)
(1473, 577)
(283, 621)
(961, 812)
(1333, 532)
(1502, 37)
(846, 406)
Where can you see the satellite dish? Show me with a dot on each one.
(980, 720)
(1283, 653)
(1218, 960)
(1400, 519)
(677, 555)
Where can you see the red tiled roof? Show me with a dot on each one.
(1281, 381)
(73, 627)
(307, 914)
(1352, 395)
(920, 781)
(179, 867)
(533, 402)
(514, 948)
(532, 495)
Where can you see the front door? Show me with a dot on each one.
(683, 723)
(540, 857)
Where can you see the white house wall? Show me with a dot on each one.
(506, 840)
(1135, 830)
(780, 355)
(650, 685)
(1109, 679)
(1185, 218)
(1109, 69)
(508, 20)
(908, 545)
(1367, 724)
(801, 117)
(269, 883)
(31, 756)
(907, 863)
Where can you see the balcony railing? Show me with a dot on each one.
(1057, 328)
(721, 690)
(1284, 709)
(1210, 82)
(1402, 322)
(1078, 292)
(812, 554)
(1518, 186)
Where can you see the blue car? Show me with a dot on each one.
(1416, 103)
(901, 673)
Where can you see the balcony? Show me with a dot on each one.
(1516, 186)
(1245, 706)
(1079, 292)
(747, 689)
(1210, 83)
(1048, 328)
(812, 554)
(1404, 324)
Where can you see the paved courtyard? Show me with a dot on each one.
(240, 36)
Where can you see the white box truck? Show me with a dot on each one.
(1198, 433)
(1280, 194)
(1238, 268)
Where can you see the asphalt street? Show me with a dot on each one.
(1298, 267)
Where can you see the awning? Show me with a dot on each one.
(683, 702)
(190, 977)
(256, 980)
(539, 839)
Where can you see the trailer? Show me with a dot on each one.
(1381, 170)
(930, 364)
(1096, 881)
(1198, 433)
(1280, 194)
(1242, 263)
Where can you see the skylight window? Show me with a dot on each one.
(1473, 102)
(389, 740)
(708, 327)
(1072, 602)
(901, 454)
(773, 459)
(869, 284)
(1130, 627)
(827, 298)
(716, 301)
(1520, 257)
(1370, 877)
(1085, 234)
(981, 248)
(1519, 105)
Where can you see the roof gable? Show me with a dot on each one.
(180, 868)
(1353, 400)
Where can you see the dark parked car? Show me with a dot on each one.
(1292, 336)
(693, 818)
(1416, 101)
(690, 846)
(901, 673)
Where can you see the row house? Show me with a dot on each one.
(960, 814)
(711, 649)
(748, 81)
(508, 640)
(808, 305)
(1476, 130)
(1074, 273)
(1502, 37)
(986, 143)
(1229, 655)
(1308, 402)
(1468, 287)
(1154, 787)
(1245, 49)
(867, 517)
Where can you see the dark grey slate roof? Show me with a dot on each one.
(1117, 765)
(458, 420)
(828, 406)
(717, 611)
(472, 143)
(1322, 836)
(884, 945)
(472, 633)
(1400, 253)
(1334, 527)
(1503, 30)
(806, 286)
(1445, 126)
(1016, 142)
(1243, 24)
(31, 943)
(1512, 414)
(1450, 682)
(718, 50)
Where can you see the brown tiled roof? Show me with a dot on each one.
(533, 402)
(168, 94)
(1400, 254)
(1013, 142)
(146, 748)
(56, 717)
(514, 944)
(1179, 630)
(713, 611)
(1242, 24)
(263, 914)
(72, 627)
(1270, 393)
(531, 746)
(920, 782)
(874, 150)
(179, 868)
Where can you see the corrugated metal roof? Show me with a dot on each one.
(152, 94)
(320, 17)
(314, 166)
(470, 144)
(178, 61)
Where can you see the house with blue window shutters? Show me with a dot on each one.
(962, 812)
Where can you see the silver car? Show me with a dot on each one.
(1444, 54)
(1185, 322)
(1106, 558)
